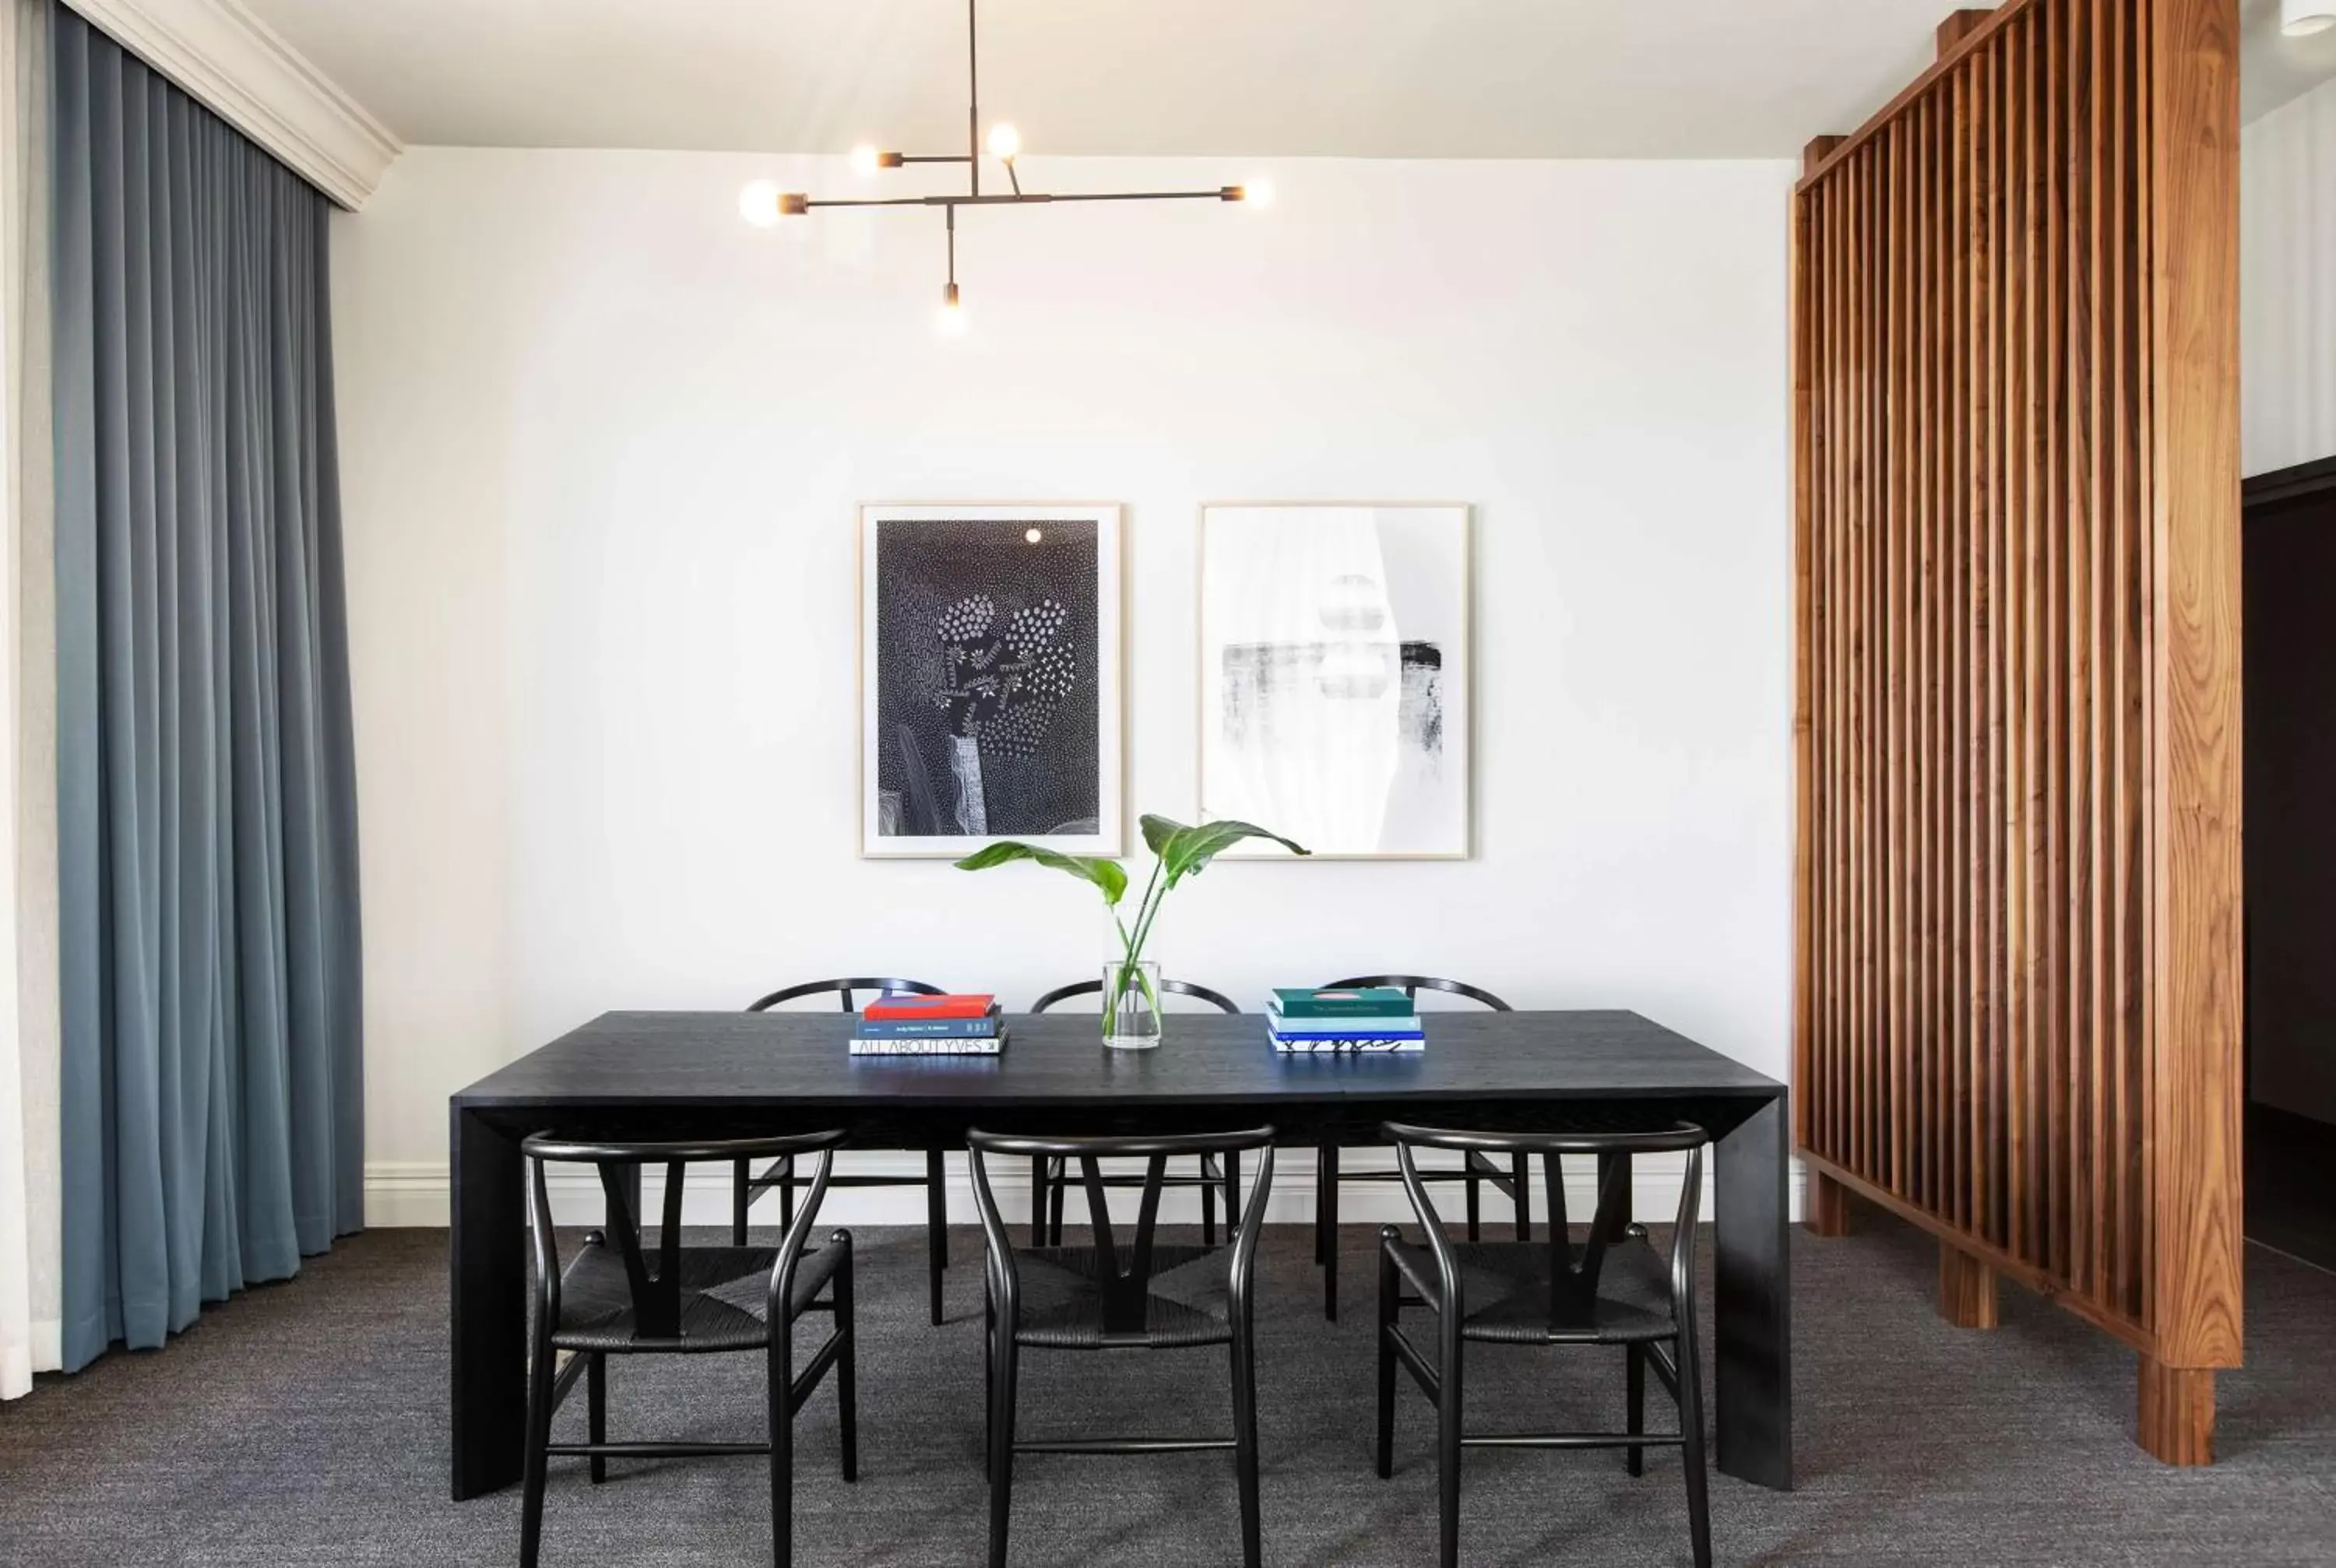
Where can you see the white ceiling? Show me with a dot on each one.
(1361, 78)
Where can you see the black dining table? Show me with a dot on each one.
(672, 1075)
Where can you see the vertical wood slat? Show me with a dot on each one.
(2014, 687)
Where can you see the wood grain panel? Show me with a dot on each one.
(2017, 974)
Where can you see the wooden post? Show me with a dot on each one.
(1826, 1213)
(2177, 1412)
(2193, 822)
(1966, 1290)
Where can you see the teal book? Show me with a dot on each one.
(1364, 1002)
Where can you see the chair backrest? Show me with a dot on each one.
(1573, 1276)
(843, 991)
(657, 1295)
(1217, 999)
(1412, 985)
(1124, 1276)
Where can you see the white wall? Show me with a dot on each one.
(2287, 294)
(603, 445)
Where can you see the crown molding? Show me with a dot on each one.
(242, 70)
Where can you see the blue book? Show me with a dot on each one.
(1408, 1024)
(979, 1029)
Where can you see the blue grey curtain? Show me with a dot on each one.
(213, 1111)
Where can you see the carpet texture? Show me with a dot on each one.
(304, 1424)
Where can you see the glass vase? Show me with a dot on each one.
(1131, 1004)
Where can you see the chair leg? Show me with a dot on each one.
(936, 1228)
(1209, 1210)
(540, 1376)
(787, 1195)
(1699, 1504)
(847, 1368)
(1231, 1170)
(783, 1445)
(596, 1403)
(1447, 1443)
(1245, 1443)
(1001, 1439)
(1326, 1205)
(1037, 1199)
(1057, 1194)
(741, 1173)
(1476, 1200)
(1390, 1312)
(1520, 1178)
(1634, 1387)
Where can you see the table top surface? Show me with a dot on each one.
(739, 1060)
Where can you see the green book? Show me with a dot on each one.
(1367, 1002)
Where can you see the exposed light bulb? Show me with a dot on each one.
(1257, 193)
(949, 320)
(2303, 18)
(1032, 535)
(865, 161)
(758, 203)
(1005, 142)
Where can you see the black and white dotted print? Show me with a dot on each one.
(985, 669)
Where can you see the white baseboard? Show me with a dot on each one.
(415, 1193)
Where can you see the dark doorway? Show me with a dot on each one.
(2289, 568)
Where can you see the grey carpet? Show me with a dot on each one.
(304, 1424)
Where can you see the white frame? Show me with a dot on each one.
(1465, 732)
(1111, 696)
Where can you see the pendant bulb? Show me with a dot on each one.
(758, 203)
(950, 321)
(1005, 142)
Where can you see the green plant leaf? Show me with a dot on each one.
(1107, 875)
(1187, 849)
(1158, 830)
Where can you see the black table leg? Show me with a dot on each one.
(1751, 1289)
(1326, 1207)
(489, 1306)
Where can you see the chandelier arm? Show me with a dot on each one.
(1032, 198)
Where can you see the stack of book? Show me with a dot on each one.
(1373, 1018)
(897, 1025)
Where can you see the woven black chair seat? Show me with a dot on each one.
(725, 1294)
(1504, 1292)
(1063, 1299)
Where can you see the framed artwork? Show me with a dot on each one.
(1336, 668)
(989, 678)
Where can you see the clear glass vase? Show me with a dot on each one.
(1131, 1004)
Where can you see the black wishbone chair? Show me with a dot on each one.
(1475, 1169)
(1139, 1294)
(746, 1186)
(608, 1300)
(1613, 1288)
(1047, 1177)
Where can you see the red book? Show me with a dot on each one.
(897, 1007)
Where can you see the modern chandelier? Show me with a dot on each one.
(763, 204)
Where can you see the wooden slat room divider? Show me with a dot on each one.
(2018, 502)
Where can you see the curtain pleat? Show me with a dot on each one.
(212, 1092)
(29, 1200)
